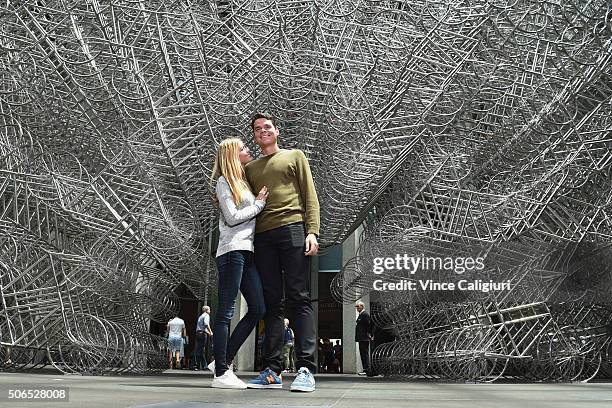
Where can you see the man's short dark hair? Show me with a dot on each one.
(260, 115)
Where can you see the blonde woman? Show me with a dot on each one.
(234, 257)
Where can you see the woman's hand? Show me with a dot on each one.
(263, 194)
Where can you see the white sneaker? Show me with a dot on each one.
(228, 380)
(211, 366)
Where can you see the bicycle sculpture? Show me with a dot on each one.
(445, 128)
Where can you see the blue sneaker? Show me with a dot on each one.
(267, 379)
(304, 381)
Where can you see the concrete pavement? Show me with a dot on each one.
(176, 388)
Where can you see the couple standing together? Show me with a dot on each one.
(258, 255)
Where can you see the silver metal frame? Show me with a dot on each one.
(443, 128)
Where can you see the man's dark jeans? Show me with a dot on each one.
(236, 271)
(276, 251)
(200, 350)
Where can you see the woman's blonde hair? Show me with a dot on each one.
(227, 164)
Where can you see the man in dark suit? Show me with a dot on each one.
(363, 335)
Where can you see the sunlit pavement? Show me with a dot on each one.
(182, 388)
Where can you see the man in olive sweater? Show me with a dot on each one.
(285, 238)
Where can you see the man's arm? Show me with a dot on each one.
(369, 326)
(207, 325)
(309, 197)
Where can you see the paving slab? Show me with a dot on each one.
(176, 389)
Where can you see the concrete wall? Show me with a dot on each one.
(350, 362)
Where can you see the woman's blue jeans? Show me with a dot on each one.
(236, 271)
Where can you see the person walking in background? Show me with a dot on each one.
(338, 355)
(285, 238)
(203, 334)
(363, 336)
(328, 355)
(234, 257)
(175, 330)
(288, 348)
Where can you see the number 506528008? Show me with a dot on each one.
(37, 394)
